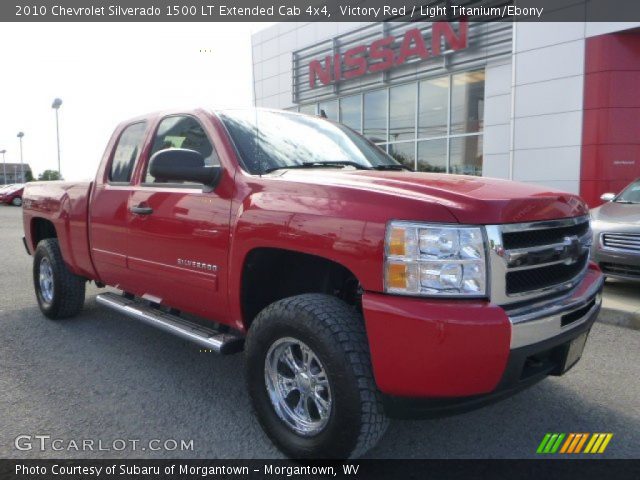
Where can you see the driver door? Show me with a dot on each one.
(179, 234)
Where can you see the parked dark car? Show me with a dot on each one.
(616, 230)
(12, 194)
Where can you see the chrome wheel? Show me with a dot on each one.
(46, 280)
(298, 386)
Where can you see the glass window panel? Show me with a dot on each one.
(308, 109)
(433, 107)
(272, 140)
(375, 116)
(330, 109)
(127, 152)
(432, 155)
(404, 153)
(351, 112)
(467, 102)
(182, 132)
(466, 155)
(402, 112)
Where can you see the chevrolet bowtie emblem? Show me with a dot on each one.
(571, 249)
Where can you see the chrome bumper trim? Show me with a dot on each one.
(533, 326)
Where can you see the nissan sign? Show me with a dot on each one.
(382, 54)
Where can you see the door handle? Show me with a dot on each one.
(141, 210)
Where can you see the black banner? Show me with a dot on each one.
(317, 10)
(544, 469)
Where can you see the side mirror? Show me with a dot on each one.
(182, 165)
(607, 197)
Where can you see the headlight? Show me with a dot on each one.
(434, 260)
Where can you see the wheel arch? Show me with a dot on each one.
(41, 229)
(296, 273)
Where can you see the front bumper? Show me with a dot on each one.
(617, 264)
(435, 355)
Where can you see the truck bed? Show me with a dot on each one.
(63, 205)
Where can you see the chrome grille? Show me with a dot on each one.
(529, 238)
(537, 259)
(523, 281)
(623, 242)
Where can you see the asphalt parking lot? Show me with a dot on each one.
(103, 377)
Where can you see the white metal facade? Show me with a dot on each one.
(533, 96)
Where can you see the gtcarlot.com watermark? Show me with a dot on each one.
(45, 443)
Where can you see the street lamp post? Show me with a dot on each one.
(20, 135)
(4, 167)
(56, 106)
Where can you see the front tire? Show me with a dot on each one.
(310, 380)
(16, 202)
(60, 293)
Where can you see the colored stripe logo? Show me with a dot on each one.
(574, 443)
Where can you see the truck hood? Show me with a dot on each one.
(471, 200)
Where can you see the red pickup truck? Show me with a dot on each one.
(358, 289)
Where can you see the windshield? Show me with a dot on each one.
(270, 140)
(631, 194)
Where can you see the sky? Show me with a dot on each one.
(108, 72)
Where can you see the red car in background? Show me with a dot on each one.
(12, 194)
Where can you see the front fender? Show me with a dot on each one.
(337, 222)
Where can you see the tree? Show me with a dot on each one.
(28, 176)
(48, 175)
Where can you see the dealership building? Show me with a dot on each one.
(550, 103)
(11, 173)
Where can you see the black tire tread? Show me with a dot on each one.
(345, 326)
(71, 288)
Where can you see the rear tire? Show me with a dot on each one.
(60, 293)
(331, 335)
(16, 202)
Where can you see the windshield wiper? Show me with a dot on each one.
(338, 163)
(624, 201)
(327, 164)
(392, 167)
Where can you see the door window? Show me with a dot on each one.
(182, 132)
(127, 153)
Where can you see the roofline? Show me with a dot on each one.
(192, 110)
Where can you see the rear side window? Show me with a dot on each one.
(127, 153)
(182, 132)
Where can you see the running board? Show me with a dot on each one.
(223, 343)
